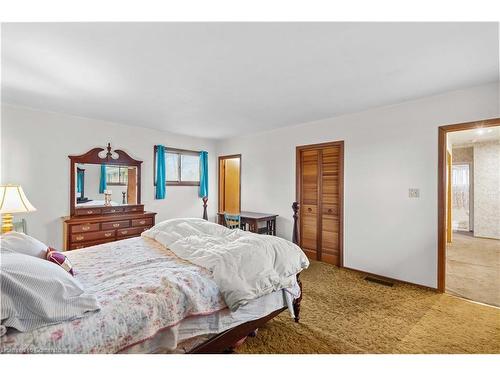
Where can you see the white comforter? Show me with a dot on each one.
(244, 265)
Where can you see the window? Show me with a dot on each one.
(116, 175)
(182, 167)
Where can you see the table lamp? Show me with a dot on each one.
(12, 201)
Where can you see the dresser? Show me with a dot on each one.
(106, 224)
(105, 199)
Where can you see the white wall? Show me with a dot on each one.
(487, 189)
(35, 148)
(387, 150)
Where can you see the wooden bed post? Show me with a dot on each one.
(295, 240)
(205, 200)
(295, 234)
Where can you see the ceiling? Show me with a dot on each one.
(469, 137)
(220, 80)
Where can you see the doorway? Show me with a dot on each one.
(230, 184)
(469, 211)
(319, 190)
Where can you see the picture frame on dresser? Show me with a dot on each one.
(99, 219)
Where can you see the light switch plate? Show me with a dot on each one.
(414, 193)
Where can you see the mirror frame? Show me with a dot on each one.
(92, 157)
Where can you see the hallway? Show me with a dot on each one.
(473, 268)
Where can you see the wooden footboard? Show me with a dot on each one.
(224, 342)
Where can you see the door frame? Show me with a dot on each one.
(442, 149)
(298, 171)
(234, 156)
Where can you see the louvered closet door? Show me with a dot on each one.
(309, 160)
(320, 202)
(330, 219)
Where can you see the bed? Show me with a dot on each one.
(154, 301)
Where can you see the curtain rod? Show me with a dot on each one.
(178, 149)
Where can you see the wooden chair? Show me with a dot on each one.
(232, 221)
(20, 226)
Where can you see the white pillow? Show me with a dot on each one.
(36, 293)
(23, 244)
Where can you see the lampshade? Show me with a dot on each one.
(13, 200)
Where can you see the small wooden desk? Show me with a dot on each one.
(250, 221)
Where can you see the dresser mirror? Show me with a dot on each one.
(94, 181)
(103, 178)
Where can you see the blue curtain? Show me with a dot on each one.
(203, 174)
(79, 182)
(160, 173)
(102, 179)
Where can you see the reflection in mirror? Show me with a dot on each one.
(101, 184)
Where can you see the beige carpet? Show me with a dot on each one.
(473, 268)
(342, 313)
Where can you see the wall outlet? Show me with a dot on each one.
(413, 193)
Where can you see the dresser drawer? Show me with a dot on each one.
(115, 225)
(81, 245)
(139, 208)
(130, 232)
(142, 222)
(81, 228)
(88, 211)
(112, 210)
(81, 237)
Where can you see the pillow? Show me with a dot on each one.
(23, 244)
(60, 259)
(37, 293)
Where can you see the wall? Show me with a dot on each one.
(487, 189)
(35, 148)
(387, 151)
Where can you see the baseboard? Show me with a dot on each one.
(392, 279)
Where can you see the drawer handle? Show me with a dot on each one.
(309, 209)
(329, 210)
(85, 228)
(133, 209)
(124, 231)
(112, 211)
(108, 234)
(142, 222)
(116, 225)
(79, 238)
(90, 212)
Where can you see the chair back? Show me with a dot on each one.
(232, 221)
(20, 226)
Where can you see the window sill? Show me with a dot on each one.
(182, 183)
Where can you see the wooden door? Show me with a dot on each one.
(230, 184)
(319, 192)
(132, 186)
(309, 203)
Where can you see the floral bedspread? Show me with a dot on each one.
(142, 288)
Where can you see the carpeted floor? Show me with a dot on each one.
(473, 268)
(342, 313)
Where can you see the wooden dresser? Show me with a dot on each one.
(105, 224)
(92, 220)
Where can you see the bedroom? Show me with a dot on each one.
(116, 131)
